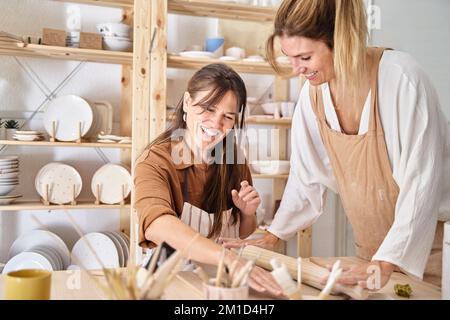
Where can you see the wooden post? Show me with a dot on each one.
(141, 101)
(304, 243)
(126, 121)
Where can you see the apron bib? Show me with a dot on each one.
(363, 174)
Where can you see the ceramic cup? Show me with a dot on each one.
(212, 292)
(111, 29)
(29, 284)
(236, 52)
(215, 45)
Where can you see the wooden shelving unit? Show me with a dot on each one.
(275, 122)
(175, 61)
(104, 3)
(66, 144)
(217, 9)
(36, 205)
(65, 53)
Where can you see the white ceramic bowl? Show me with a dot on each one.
(111, 29)
(6, 188)
(117, 44)
(270, 166)
(270, 108)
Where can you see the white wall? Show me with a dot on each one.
(421, 28)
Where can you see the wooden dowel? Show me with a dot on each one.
(311, 273)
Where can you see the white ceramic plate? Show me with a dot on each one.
(32, 133)
(67, 112)
(104, 248)
(111, 178)
(46, 256)
(9, 175)
(103, 119)
(197, 54)
(120, 252)
(4, 200)
(27, 137)
(52, 255)
(27, 260)
(12, 165)
(228, 58)
(125, 245)
(42, 238)
(61, 180)
(12, 170)
(9, 159)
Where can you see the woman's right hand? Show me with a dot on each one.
(269, 241)
(259, 279)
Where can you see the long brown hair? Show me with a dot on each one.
(218, 79)
(341, 24)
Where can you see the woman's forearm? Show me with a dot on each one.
(178, 235)
(247, 225)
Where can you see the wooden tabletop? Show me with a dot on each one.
(76, 285)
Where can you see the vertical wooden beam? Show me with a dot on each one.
(126, 120)
(141, 103)
(304, 237)
(158, 68)
(280, 93)
(304, 243)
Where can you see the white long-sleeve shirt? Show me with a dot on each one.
(417, 138)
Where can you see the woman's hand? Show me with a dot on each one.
(371, 275)
(247, 199)
(269, 241)
(259, 279)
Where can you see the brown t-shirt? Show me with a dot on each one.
(159, 184)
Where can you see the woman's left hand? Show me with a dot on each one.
(247, 199)
(371, 275)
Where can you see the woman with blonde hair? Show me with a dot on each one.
(368, 126)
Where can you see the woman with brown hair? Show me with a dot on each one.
(191, 179)
(368, 126)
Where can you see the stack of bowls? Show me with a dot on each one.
(116, 36)
(9, 177)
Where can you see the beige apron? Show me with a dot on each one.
(364, 178)
(202, 222)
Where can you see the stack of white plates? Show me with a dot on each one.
(58, 182)
(113, 183)
(28, 136)
(116, 36)
(97, 250)
(9, 178)
(38, 249)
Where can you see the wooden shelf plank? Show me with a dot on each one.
(278, 122)
(65, 53)
(269, 176)
(175, 61)
(65, 144)
(217, 9)
(104, 3)
(34, 205)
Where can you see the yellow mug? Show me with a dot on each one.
(29, 284)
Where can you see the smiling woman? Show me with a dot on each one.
(191, 180)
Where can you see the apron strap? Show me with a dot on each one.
(375, 123)
(185, 187)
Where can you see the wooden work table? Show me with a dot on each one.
(76, 285)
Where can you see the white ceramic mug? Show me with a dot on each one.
(236, 52)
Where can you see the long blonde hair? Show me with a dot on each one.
(341, 24)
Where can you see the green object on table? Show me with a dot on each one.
(403, 290)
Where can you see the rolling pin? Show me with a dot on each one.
(311, 273)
